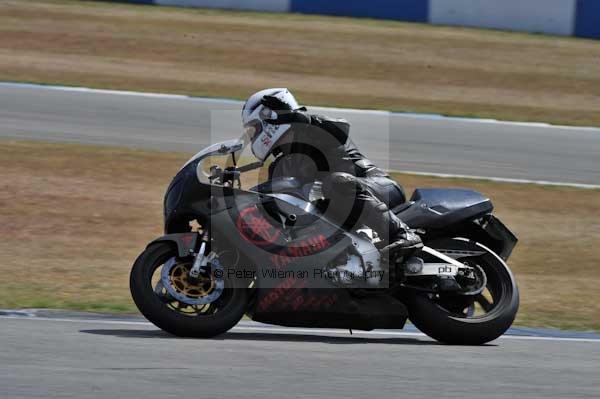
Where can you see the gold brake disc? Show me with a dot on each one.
(200, 288)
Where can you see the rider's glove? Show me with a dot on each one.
(285, 115)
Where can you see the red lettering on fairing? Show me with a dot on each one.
(186, 240)
(277, 293)
(306, 247)
(255, 228)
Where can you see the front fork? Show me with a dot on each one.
(202, 258)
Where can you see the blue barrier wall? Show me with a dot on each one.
(587, 20)
(560, 17)
(255, 5)
(404, 10)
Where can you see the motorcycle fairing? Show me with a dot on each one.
(435, 208)
(297, 306)
(246, 221)
(185, 242)
(290, 301)
(186, 199)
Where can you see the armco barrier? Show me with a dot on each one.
(559, 17)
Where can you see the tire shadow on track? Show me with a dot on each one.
(272, 337)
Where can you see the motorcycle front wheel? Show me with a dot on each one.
(469, 320)
(200, 309)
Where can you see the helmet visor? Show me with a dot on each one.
(252, 129)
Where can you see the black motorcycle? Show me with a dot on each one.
(272, 253)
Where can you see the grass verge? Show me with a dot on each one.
(326, 60)
(73, 218)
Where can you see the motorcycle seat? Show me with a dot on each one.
(437, 208)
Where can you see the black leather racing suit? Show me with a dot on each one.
(359, 192)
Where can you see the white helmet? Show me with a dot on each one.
(264, 136)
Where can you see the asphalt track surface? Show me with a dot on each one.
(83, 357)
(418, 143)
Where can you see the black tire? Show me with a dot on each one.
(444, 326)
(157, 312)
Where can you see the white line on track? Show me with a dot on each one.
(76, 89)
(502, 179)
(223, 101)
(293, 330)
(349, 110)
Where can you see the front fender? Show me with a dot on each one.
(186, 242)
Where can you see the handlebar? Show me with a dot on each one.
(231, 174)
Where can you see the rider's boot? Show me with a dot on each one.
(403, 242)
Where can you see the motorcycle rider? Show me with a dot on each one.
(313, 148)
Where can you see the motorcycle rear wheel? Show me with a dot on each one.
(442, 319)
(180, 319)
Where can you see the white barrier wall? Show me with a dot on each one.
(544, 16)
